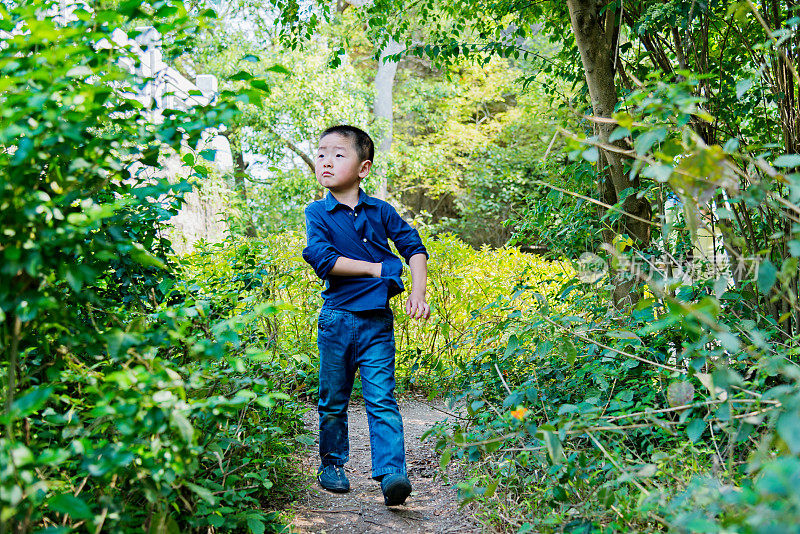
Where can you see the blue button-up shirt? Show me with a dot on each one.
(333, 230)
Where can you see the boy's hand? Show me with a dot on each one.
(417, 307)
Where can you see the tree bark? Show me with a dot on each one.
(297, 150)
(239, 183)
(595, 34)
(384, 106)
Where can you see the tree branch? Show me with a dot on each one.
(294, 148)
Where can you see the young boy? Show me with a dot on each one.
(347, 247)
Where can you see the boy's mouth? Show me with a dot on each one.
(327, 174)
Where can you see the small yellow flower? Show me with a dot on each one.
(519, 413)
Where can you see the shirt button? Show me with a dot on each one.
(365, 240)
(355, 214)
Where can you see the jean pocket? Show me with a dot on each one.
(387, 319)
(326, 318)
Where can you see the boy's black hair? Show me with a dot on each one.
(362, 142)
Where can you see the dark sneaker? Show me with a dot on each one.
(396, 488)
(332, 478)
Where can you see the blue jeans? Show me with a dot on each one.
(359, 340)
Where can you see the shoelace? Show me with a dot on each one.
(337, 469)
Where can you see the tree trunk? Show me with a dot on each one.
(384, 109)
(596, 34)
(239, 176)
(239, 183)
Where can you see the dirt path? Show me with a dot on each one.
(431, 508)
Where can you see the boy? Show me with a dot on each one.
(347, 247)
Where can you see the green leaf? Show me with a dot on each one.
(166, 11)
(118, 342)
(30, 402)
(241, 76)
(74, 507)
(620, 132)
(560, 494)
(513, 345)
(304, 439)
(731, 146)
(79, 71)
(491, 488)
(695, 429)
(606, 497)
(255, 525)
(203, 493)
(787, 160)
(789, 430)
(742, 86)
(163, 523)
(767, 273)
(53, 457)
(445, 458)
(645, 141)
(591, 154)
(260, 84)
(73, 279)
(182, 424)
(140, 255)
(659, 172)
(20, 454)
(280, 69)
(570, 353)
(623, 118)
(729, 341)
(553, 445)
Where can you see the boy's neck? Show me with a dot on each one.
(347, 197)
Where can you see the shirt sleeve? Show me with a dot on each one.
(405, 237)
(319, 252)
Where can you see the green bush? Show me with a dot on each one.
(130, 400)
(679, 413)
(464, 287)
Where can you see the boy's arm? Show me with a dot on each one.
(326, 260)
(404, 236)
(416, 305)
(319, 252)
(350, 267)
(410, 246)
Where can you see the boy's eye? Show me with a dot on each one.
(339, 155)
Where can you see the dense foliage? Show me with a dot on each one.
(130, 398)
(640, 373)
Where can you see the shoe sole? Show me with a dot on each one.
(397, 494)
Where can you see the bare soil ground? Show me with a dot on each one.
(431, 508)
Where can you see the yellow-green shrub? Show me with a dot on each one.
(466, 288)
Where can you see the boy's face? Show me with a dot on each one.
(338, 167)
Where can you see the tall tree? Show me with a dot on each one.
(384, 104)
(596, 29)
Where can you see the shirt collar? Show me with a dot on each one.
(331, 203)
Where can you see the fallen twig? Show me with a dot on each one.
(320, 511)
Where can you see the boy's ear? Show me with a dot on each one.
(363, 172)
